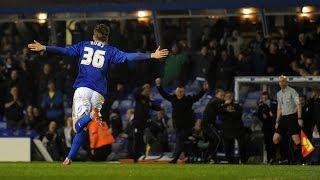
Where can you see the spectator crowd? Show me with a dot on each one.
(36, 90)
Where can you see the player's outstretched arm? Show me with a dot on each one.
(70, 51)
(120, 57)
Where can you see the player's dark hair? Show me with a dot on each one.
(101, 32)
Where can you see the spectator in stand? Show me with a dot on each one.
(174, 66)
(206, 36)
(28, 122)
(214, 49)
(302, 45)
(201, 63)
(43, 78)
(66, 134)
(14, 80)
(27, 82)
(116, 94)
(52, 141)
(273, 60)
(236, 42)
(243, 65)
(17, 79)
(224, 72)
(3, 85)
(40, 120)
(52, 104)
(13, 108)
(64, 79)
(9, 65)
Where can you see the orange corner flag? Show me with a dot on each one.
(306, 146)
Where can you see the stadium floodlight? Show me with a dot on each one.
(306, 12)
(42, 16)
(248, 11)
(143, 14)
(307, 9)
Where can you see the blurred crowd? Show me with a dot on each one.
(36, 90)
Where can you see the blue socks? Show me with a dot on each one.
(79, 137)
(76, 144)
(82, 122)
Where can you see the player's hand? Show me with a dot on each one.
(158, 82)
(36, 46)
(158, 54)
(92, 151)
(276, 126)
(300, 122)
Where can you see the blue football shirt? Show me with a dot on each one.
(94, 60)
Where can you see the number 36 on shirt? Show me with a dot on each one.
(96, 58)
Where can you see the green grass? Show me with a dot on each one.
(38, 170)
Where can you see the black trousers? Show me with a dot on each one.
(269, 145)
(181, 139)
(136, 146)
(101, 153)
(229, 148)
(211, 134)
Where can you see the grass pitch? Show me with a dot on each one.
(39, 170)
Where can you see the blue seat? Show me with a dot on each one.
(6, 133)
(32, 134)
(3, 125)
(20, 133)
(125, 104)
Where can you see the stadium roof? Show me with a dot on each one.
(59, 6)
